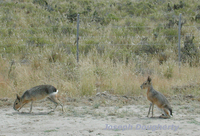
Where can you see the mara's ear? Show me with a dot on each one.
(18, 97)
(149, 79)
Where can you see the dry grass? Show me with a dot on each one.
(88, 77)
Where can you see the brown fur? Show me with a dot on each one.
(37, 93)
(156, 98)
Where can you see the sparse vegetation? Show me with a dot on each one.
(121, 42)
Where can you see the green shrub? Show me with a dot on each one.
(37, 41)
(171, 34)
(169, 72)
(136, 8)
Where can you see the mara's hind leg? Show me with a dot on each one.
(53, 98)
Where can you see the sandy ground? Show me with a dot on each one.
(94, 118)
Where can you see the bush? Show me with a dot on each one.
(37, 41)
(171, 34)
(169, 72)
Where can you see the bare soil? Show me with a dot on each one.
(101, 115)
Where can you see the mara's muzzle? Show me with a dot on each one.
(17, 109)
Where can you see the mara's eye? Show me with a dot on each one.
(145, 83)
(16, 103)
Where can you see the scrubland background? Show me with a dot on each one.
(121, 42)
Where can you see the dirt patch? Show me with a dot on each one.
(101, 115)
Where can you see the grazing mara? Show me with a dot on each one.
(37, 93)
(156, 98)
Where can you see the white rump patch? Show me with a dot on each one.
(54, 93)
